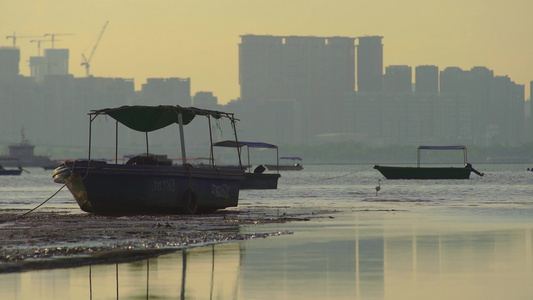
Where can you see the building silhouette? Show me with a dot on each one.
(370, 64)
(54, 62)
(397, 79)
(9, 63)
(205, 100)
(169, 91)
(427, 79)
(295, 90)
(316, 72)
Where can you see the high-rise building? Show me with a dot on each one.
(427, 79)
(169, 91)
(295, 67)
(57, 61)
(530, 99)
(9, 62)
(398, 79)
(370, 64)
(318, 72)
(452, 81)
(260, 67)
(54, 62)
(205, 100)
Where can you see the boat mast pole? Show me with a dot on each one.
(232, 118)
(211, 154)
(277, 159)
(418, 157)
(91, 119)
(249, 165)
(90, 133)
(116, 142)
(182, 139)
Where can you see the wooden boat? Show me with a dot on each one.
(294, 165)
(143, 184)
(418, 172)
(256, 179)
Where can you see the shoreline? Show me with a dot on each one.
(48, 240)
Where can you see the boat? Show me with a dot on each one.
(256, 179)
(392, 172)
(295, 164)
(4, 171)
(23, 154)
(143, 185)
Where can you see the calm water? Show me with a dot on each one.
(457, 239)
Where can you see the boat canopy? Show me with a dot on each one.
(460, 147)
(149, 118)
(291, 157)
(442, 147)
(229, 143)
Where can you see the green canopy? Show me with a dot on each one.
(150, 118)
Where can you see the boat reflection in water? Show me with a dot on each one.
(210, 272)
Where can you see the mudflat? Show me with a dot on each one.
(43, 240)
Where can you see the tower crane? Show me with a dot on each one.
(87, 62)
(53, 36)
(39, 45)
(14, 37)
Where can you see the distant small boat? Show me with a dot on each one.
(23, 154)
(4, 171)
(292, 163)
(430, 172)
(256, 179)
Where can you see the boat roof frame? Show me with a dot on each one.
(240, 144)
(138, 118)
(457, 147)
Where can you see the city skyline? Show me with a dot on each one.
(199, 40)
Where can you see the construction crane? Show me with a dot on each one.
(53, 36)
(87, 62)
(15, 37)
(39, 45)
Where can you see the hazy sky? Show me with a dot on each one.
(199, 38)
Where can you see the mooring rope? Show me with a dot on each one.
(33, 209)
(346, 175)
(41, 204)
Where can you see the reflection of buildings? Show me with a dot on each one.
(424, 264)
(402, 262)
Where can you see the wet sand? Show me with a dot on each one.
(42, 240)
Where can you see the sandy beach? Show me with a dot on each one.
(43, 240)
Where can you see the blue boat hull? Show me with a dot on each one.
(10, 172)
(115, 189)
(262, 181)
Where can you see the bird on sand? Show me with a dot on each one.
(378, 187)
